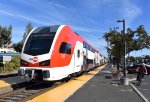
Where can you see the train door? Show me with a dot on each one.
(78, 56)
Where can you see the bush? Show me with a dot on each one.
(13, 65)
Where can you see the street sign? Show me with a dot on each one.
(7, 58)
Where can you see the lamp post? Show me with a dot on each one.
(125, 81)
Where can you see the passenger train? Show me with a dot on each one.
(52, 53)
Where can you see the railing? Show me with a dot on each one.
(9, 54)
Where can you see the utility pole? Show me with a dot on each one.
(125, 80)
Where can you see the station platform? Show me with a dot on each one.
(101, 88)
(9, 81)
(94, 86)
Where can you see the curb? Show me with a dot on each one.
(9, 88)
(8, 75)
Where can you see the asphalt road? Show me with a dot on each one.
(144, 88)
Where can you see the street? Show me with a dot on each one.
(144, 88)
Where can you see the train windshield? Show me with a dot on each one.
(38, 43)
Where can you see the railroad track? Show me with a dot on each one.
(30, 91)
(26, 93)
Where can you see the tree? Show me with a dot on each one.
(28, 28)
(18, 46)
(116, 46)
(131, 59)
(9, 35)
(135, 40)
(5, 35)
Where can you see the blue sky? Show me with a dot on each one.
(90, 18)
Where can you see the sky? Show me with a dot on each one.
(89, 18)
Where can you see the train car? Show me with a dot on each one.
(52, 53)
(97, 59)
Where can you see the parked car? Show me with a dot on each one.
(132, 69)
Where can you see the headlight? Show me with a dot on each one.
(45, 63)
(23, 63)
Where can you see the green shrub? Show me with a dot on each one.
(13, 65)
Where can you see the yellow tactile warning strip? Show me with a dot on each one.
(4, 84)
(61, 93)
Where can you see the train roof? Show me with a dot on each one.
(46, 29)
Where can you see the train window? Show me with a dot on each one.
(88, 47)
(42, 29)
(84, 44)
(65, 48)
(68, 48)
(78, 53)
(39, 43)
(91, 49)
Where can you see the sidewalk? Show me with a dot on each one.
(103, 88)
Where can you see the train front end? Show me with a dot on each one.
(36, 53)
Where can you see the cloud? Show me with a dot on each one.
(85, 29)
(5, 12)
(20, 16)
(130, 11)
(49, 14)
(56, 4)
(119, 9)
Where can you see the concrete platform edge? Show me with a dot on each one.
(8, 75)
(12, 87)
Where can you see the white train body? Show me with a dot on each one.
(52, 53)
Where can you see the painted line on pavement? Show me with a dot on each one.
(133, 79)
(139, 93)
(136, 90)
